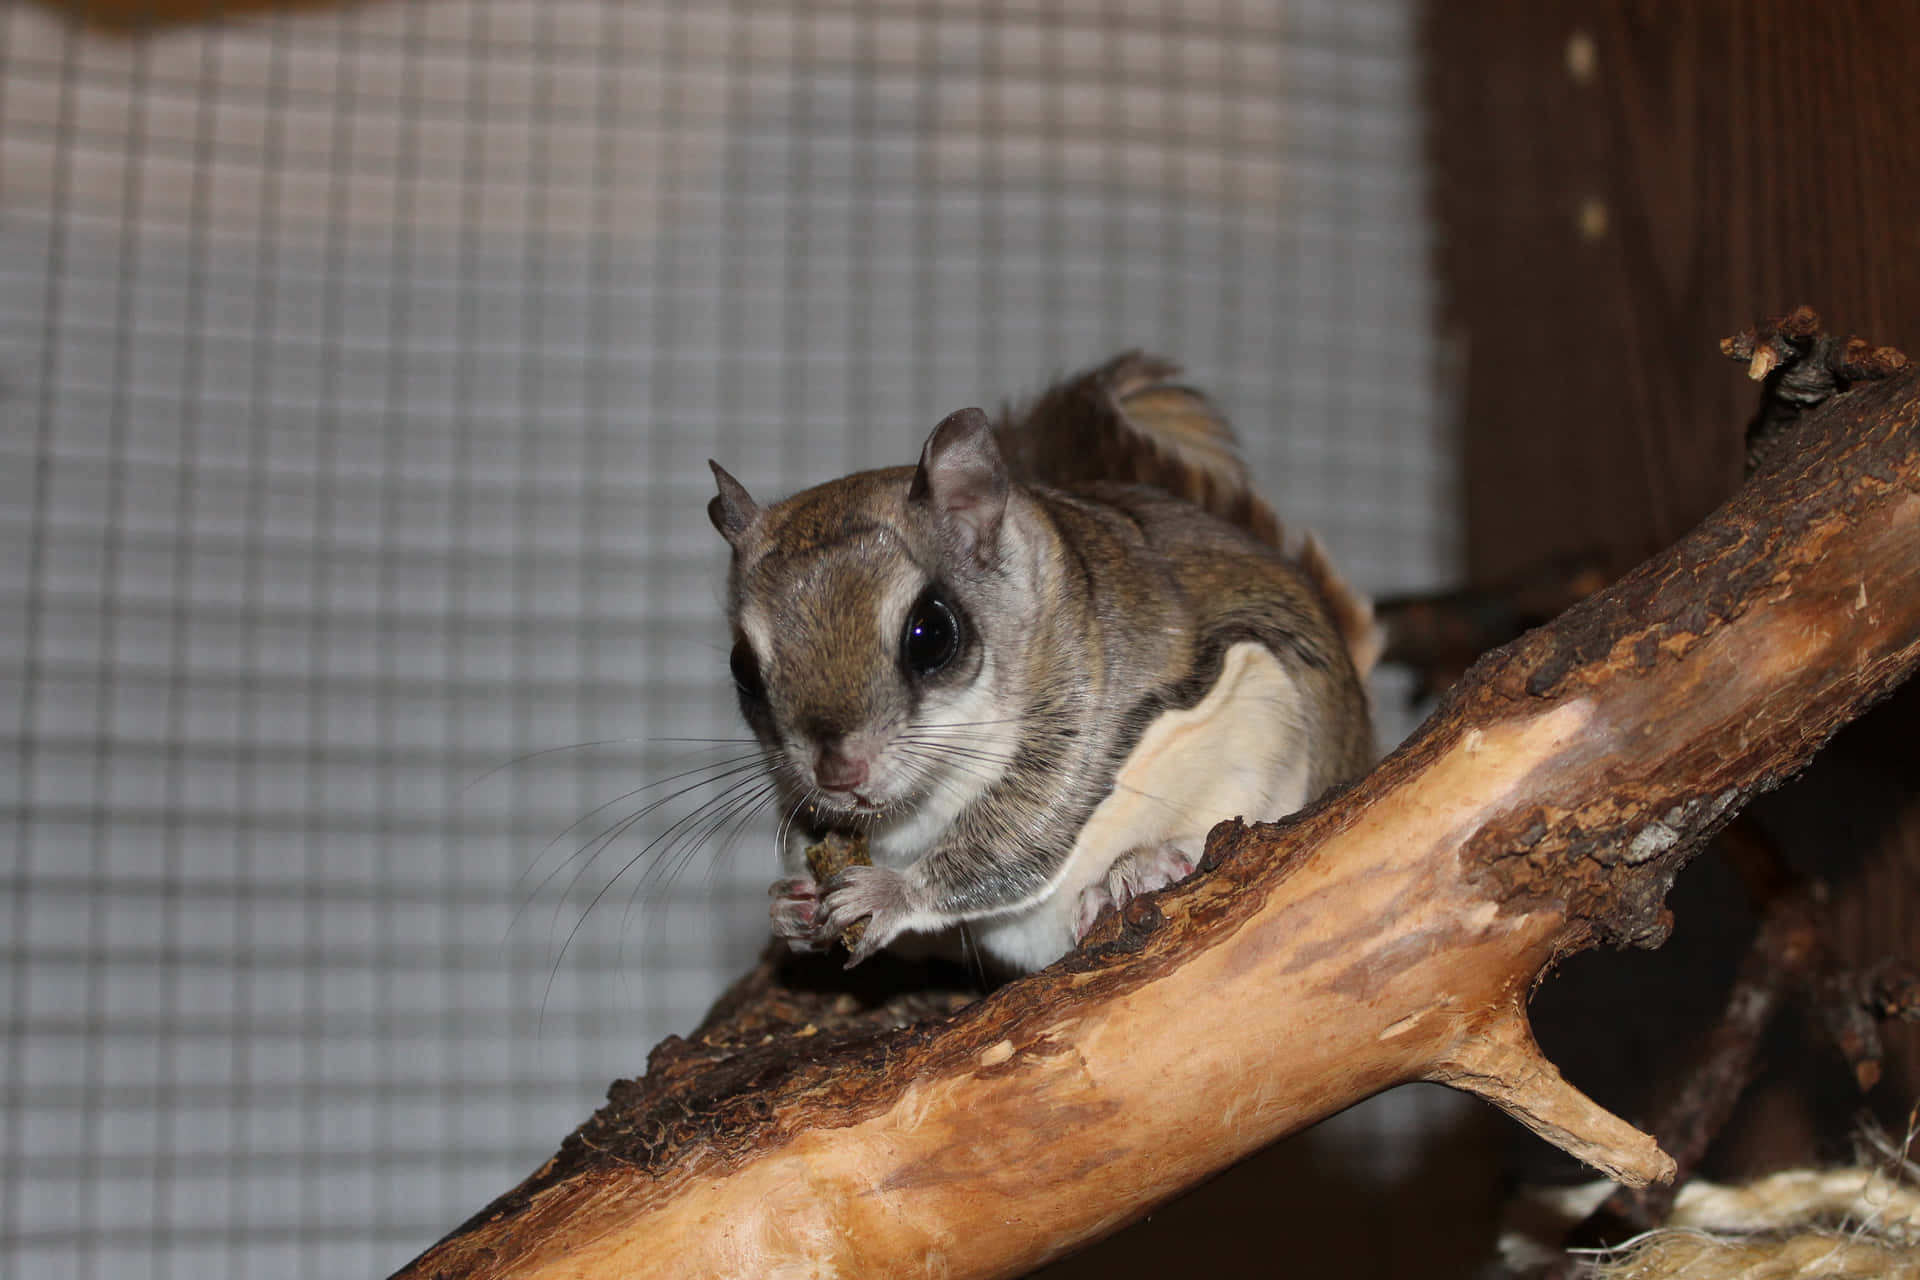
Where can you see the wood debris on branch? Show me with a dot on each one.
(1392, 932)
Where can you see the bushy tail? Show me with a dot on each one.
(1130, 422)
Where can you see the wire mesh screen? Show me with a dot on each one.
(360, 367)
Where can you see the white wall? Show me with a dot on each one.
(358, 370)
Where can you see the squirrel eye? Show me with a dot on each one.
(932, 636)
(746, 672)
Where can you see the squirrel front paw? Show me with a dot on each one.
(1140, 871)
(882, 896)
(795, 913)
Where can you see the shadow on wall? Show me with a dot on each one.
(143, 17)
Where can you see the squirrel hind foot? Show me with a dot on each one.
(1136, 872)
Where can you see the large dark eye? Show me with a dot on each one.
(746, 672)
(932, 636)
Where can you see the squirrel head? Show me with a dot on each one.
(866, 615)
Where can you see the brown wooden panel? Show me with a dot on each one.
(1620, 186)
(1617, 187)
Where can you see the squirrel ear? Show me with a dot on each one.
(731, 510)
(964, 480)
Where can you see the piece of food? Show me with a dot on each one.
(827, 859)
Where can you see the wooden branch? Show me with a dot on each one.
(1391, 933)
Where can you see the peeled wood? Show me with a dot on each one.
(1391, 933)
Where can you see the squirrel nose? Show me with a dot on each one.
(835, 770)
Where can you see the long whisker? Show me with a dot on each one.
(961, 766)
(725, 836)
(681, 851)
(960, 738)
(985, 724)
(993, 760)
(970, 950)
(718, 768)
(1175, 805)
(605, 840)
(987, 765)
(608, 835)
(548, 751)
(953, 742)
(726, 769)
(730, 838)
(672, 832)
(668, 864)
(786, 824)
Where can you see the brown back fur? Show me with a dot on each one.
(1130, 422)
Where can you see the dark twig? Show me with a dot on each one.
(1790, 954)
(1893, 992)
(1801, 366)
(1439, 635)
(1851, 1005)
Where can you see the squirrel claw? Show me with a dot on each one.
(1139, 871)
(1094, 899)
(881, 896)
(861, 950)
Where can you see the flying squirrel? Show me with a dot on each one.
(1038, 667)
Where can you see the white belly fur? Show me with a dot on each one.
(1240, 752)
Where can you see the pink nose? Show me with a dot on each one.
(836, 771)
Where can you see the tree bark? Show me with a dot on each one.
(1393, 932)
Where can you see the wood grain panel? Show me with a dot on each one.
(1617, 187)
(1607, 217)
